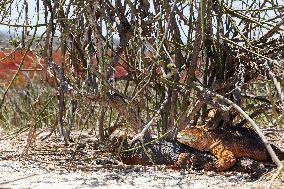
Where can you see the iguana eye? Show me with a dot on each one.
(183, 132)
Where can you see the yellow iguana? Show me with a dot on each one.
(227, 144)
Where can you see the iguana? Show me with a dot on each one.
(227, 144)
(176, 155)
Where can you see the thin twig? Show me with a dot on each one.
(154, 119)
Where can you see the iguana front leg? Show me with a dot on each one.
(183, 161)
(225, 158)
(195, 161)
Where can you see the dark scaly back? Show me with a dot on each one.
(256, 141)
(242, 141)
(248, 140)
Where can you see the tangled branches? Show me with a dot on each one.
(140, 62)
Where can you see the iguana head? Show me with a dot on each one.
(193, 136)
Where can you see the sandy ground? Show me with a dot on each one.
(44, 170)
(16, 175)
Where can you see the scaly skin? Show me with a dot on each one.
(177, 156)
(227, 144)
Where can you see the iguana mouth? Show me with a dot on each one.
(185, 137)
